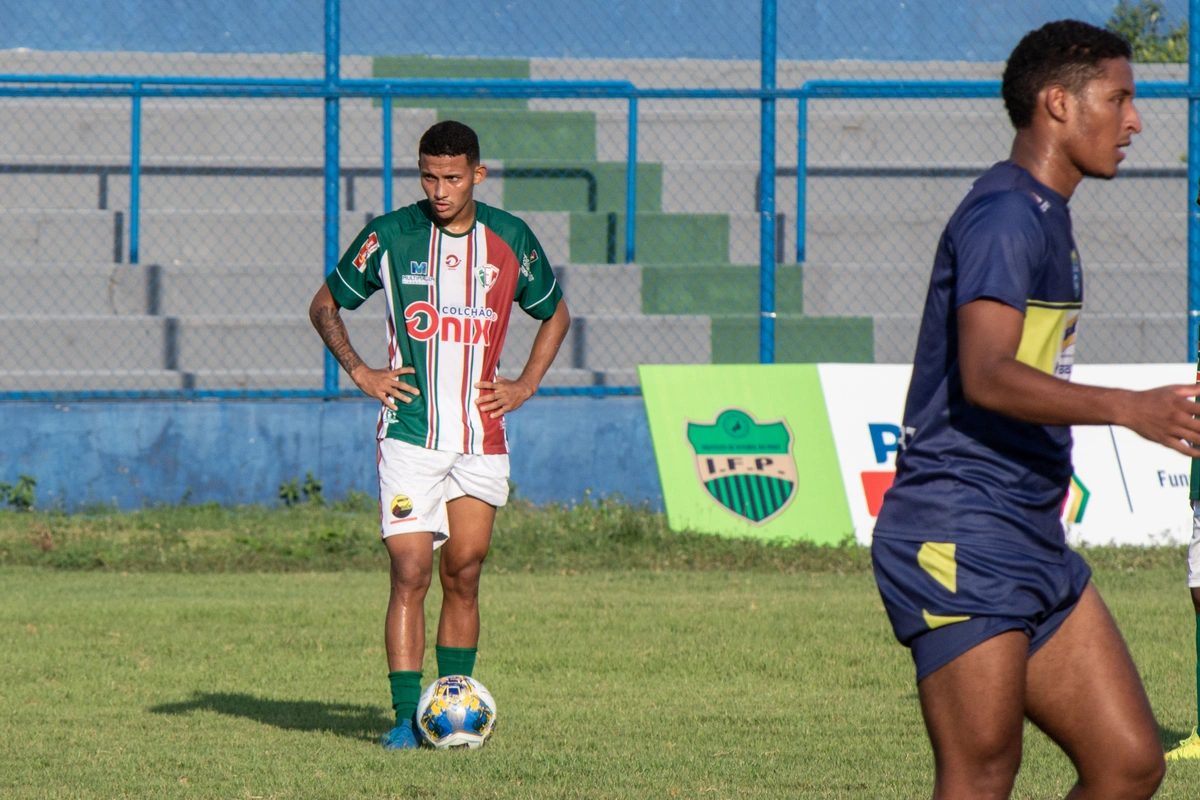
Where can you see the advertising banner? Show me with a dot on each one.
(719, 434)
(746, 451)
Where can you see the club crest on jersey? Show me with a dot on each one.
(457, 324)
(364, 252)
(452, 261)
(746, 466)
(485, 277)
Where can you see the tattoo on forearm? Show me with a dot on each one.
(333, 332)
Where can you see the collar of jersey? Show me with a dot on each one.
(426, 209)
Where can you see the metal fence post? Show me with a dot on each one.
(631, 184)
(801, 178)
(766, 248)
(1193, 212)
(387, 154)
(135, 170)
(332, 77)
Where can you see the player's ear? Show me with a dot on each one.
(1057, 101)
(480, 173)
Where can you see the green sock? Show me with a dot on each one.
(457, 660)
(406, 691)
(1198, 668)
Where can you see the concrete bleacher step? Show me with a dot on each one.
(798, 339)
(75, 289)
(717, 289)
(578, 186)
(268, 131)
(865, 289)
(247, 289)
(1103, 338)
(89, 380)
(659, 238)
(41, 237)
(82, 342)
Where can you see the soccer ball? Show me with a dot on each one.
(456, 711)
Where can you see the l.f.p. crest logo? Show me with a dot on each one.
(746, 466)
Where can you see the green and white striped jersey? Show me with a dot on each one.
(448, 303)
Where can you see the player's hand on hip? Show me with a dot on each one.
(1166, 415)
(503, 396)
(385, 384)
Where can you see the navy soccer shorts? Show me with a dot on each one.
(943, 599)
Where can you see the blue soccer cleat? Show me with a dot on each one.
(402, 737)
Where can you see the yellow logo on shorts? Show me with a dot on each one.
(401, 506)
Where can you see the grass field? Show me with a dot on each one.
(764, 681)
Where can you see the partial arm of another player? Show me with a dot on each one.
(382, 384)
(509, 395)
(992, 378)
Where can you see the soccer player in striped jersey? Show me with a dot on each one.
(1189, 748)
(451, 269)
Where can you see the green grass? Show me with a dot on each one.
(609, 685)
(627, 661)
(606, 535)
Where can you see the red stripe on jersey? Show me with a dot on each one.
(435, 265)
(469, 295)
(500, 300)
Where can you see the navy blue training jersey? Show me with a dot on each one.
(964, 473)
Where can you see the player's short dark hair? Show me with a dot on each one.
(1067, 53)
(450, 138)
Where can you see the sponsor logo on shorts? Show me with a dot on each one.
(364, 252)
(401, 506)
(458, 324)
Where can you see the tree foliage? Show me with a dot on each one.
(1144, 25)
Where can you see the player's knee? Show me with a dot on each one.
(1133, 773)
(988, 770)
(463, 578)
(990, 780)
(1196, 599)
(409, 577)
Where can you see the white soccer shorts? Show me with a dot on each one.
(415, 483)
(1194, 548)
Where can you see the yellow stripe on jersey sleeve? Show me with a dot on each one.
(1042, 337)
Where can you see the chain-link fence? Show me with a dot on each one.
(227, 228)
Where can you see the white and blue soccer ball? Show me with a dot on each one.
(456, 711)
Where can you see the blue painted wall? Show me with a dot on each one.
(232, 452)
(917, 30)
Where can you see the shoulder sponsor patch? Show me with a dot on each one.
(364, 252)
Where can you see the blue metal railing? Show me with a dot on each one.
(332, 88)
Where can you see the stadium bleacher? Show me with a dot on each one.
(230, 261)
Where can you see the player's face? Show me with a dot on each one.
(449, 183)
(1104, 121)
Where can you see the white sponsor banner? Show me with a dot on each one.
(1126, 490)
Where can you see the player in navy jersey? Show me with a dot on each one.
(969, 551)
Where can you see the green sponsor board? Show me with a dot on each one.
(746, 451)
